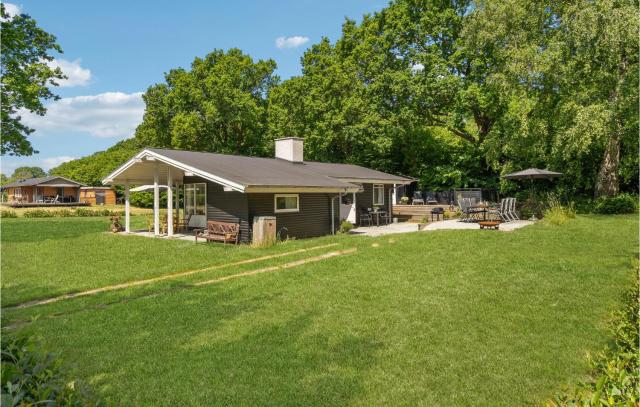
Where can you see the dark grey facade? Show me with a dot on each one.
(313, 218)
(364, 200)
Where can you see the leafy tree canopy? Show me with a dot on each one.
(25, 78)
(91, 170)
(219, 105)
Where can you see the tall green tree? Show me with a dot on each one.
(27, 172)
(597, 56)
(219, 105)
(25, 78)
(92, 169)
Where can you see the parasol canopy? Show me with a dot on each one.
(532, 173)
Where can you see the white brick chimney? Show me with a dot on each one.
(290, 149)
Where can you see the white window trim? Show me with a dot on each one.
(275, 204)
(373, 198)
(184, 194)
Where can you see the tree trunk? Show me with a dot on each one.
(608, 184)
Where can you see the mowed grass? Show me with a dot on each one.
(46, 257)
(428, 318)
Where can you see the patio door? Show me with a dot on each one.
(195, 204)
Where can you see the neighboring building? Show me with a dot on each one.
(98, 195)
(307, 198)
(43, 190)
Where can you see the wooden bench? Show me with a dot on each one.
(219, 231)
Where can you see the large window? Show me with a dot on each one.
(195, 199)
(378, 194)
(286, 203)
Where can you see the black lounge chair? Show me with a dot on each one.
(417, 198)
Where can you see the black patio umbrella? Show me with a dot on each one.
(532, 174)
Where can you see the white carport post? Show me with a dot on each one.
(127, 209)
(169, 203)
(156, 202)
(177, 203)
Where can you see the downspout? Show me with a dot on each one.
(333, 214)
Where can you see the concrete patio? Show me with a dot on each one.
(176, 236)
(402, 227)
(453, 224)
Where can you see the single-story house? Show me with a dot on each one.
(43, 190)
(98, 195)
(307, 198)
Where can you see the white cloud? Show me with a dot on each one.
(50, 162)
(12, 9)
(110, 114)
(7, 167)
(76, 75)
(291, 42)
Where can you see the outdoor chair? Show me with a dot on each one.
(430, 199)
(366, 217)
(184, 223)
(511, 210)
(417, 198)
(469, 214)
(385, 218)
(501, 210)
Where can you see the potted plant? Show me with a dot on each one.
(116, 226)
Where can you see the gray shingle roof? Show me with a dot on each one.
(37, 181)
(256, 171)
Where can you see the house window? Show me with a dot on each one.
(378, 194)
(195, 199)
(286, 203)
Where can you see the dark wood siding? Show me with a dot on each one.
(225, 206)
(364, 199)
(313, 219)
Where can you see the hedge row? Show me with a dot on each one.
(61, 213)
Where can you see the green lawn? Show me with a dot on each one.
(428, 318)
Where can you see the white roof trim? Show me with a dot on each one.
(184, 167)
(147, 188)
(297, 190)
(373, 181)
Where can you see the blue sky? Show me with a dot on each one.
(114, 50)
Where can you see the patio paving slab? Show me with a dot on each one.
(402, 227)
(453, 224)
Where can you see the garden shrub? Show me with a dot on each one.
(614, 371)
(83, 212)
(556, 213)
(31, 377)
(619, 204)
(63, 213)
(38, 213)
(8, 214)
(345, 226)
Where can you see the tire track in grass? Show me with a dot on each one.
(135, 283)
(284, 266)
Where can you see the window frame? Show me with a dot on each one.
(195, 204)
(291, 210)
(373, 198)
